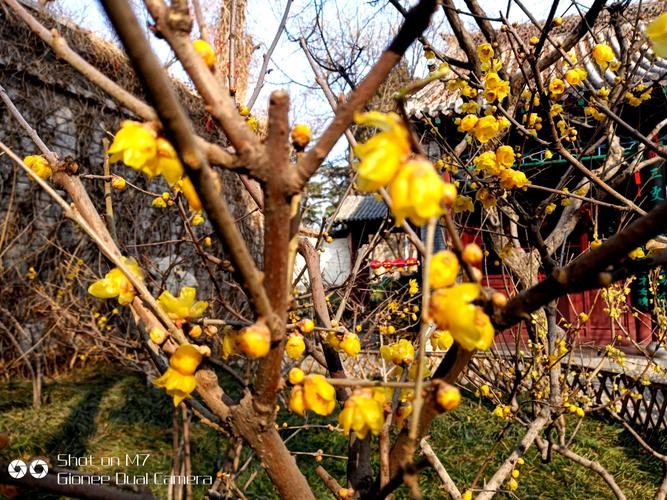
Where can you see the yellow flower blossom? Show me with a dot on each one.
(472, 254)
(603, 55)
(255, 340)
(463, 204)
(441, 339)
(158, 335)
(468, 123)
(301, 135)
(487, 162)
(39, 165)
(575, 76)
(295, 376)
(205, 51)
(350, 344)
(513, 179)
(116, 284)
(118, 183)
(297, 403)
(505, 156)
(295, 346)
(556, 87)
(657, 33)
(486, 128)
(184, 307)
(319, 395)
(197, 220)
(306, 325)
(469, 107)
(485, 197)
(413, 287)
(382, 155)
(136, 145)
(179, 380)
(401, 353)
(495, 88)
(637, 253)
(447, 397)
(362, 413)
(417, 193)
(549, 209)
(452, 309)
(444, 269)
(31, 274)
(485, 52)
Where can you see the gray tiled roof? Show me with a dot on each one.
(361, 209)
(435, 98)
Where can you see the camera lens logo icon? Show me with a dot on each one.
(17, 469)
(38, 468)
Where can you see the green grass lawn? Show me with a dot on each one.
(111, 413)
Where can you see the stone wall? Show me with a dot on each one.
(73, 117)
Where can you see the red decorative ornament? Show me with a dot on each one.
(399, 263)
(412, 262)
(376, 264)
(387, 264)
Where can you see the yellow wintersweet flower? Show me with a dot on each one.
(295, 376)
(603, 55)
(179, 380)
(206, 52)
(136, 145)
(513, 179)
(513, 484)
(301, 135)
(486, 128)
(295, 346)
(463, 204)
(505, 156)
(417, 193)
(413, 287)
(488, 163)
(401, 353)
(39, 165)
(485, 52)
(296, 400)
(468, 123)
(452, 309)
(319, 395)
(485, 197)
(158, 335)
(184, 307)
(469, 107)
(306, 325)
(657, 33)
(444, 269)
(441, 339)
(447, 397)
(362, 413)
(116, 284)
(637, 253)
(556, 87)
(550, 208)
(575, 76)
(382, 155)
(255, 340)
(350, 344)
(495, 87)
(118, 183)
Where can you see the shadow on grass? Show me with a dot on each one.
(81, 423)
